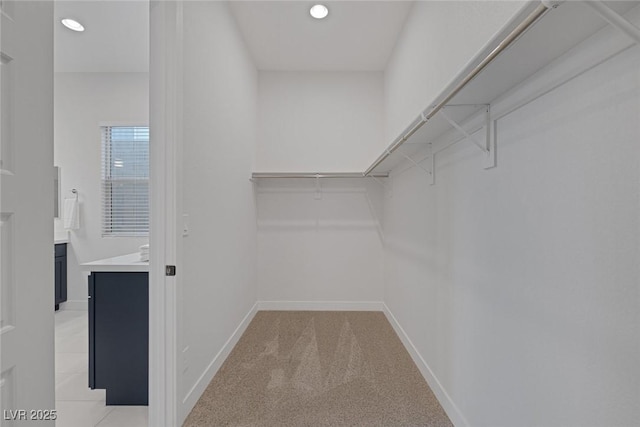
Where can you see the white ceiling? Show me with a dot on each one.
(281, 35)
(116, 36)
(357, 35)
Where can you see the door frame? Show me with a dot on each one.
(27, 353)
(165, 119)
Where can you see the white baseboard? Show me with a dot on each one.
(81, 305)
(443, 397)
(321, 305)
(196, 391)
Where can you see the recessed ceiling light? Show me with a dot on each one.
(319, 11)
(72, 24)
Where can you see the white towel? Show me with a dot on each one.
(71, 214)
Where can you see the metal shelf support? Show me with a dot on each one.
(483, 147)
(416, 164)
(488, 148)
(318, 194)
(491, 158)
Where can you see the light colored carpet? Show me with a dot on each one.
(310, 368)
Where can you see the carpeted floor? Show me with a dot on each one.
(310, 368)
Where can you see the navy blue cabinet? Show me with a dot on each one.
(60, 253)
(119, 336)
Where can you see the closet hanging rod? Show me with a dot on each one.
(256, 175)
(540, 10)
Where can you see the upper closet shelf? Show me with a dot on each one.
(524, 46)
(272, 175)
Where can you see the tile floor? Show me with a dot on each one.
(77, 404)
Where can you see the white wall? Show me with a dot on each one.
(320, 250)
(219, 254)
(326, 250)
(84, 102)
(319, 121)
(519, 286)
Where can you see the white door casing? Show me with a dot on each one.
(165, 117)
(26, 211)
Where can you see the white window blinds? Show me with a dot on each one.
(125, 181)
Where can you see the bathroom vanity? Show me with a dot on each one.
(119, 329)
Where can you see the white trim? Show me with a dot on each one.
(199, 387)
(455, 415)
(321, 305)
(165, 111)
(75, 305)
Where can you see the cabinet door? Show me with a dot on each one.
(119, 336)
(92, 333)
(61, 279)
(58, 270)
(60, 265)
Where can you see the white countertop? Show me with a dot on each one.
(61, 238)
(130, 262)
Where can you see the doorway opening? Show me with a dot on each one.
(101, 151)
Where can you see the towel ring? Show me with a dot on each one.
(74, 191)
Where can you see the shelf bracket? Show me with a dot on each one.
(374, 214)
(318, 194)
(410, 159)
(488, 148)
(614, 19)
(382, 184)
(480, 145)
(432, 159)
(386, 188)
(491, 156)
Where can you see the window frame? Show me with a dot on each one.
(107, 181)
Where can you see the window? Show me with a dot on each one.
(125, 181)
